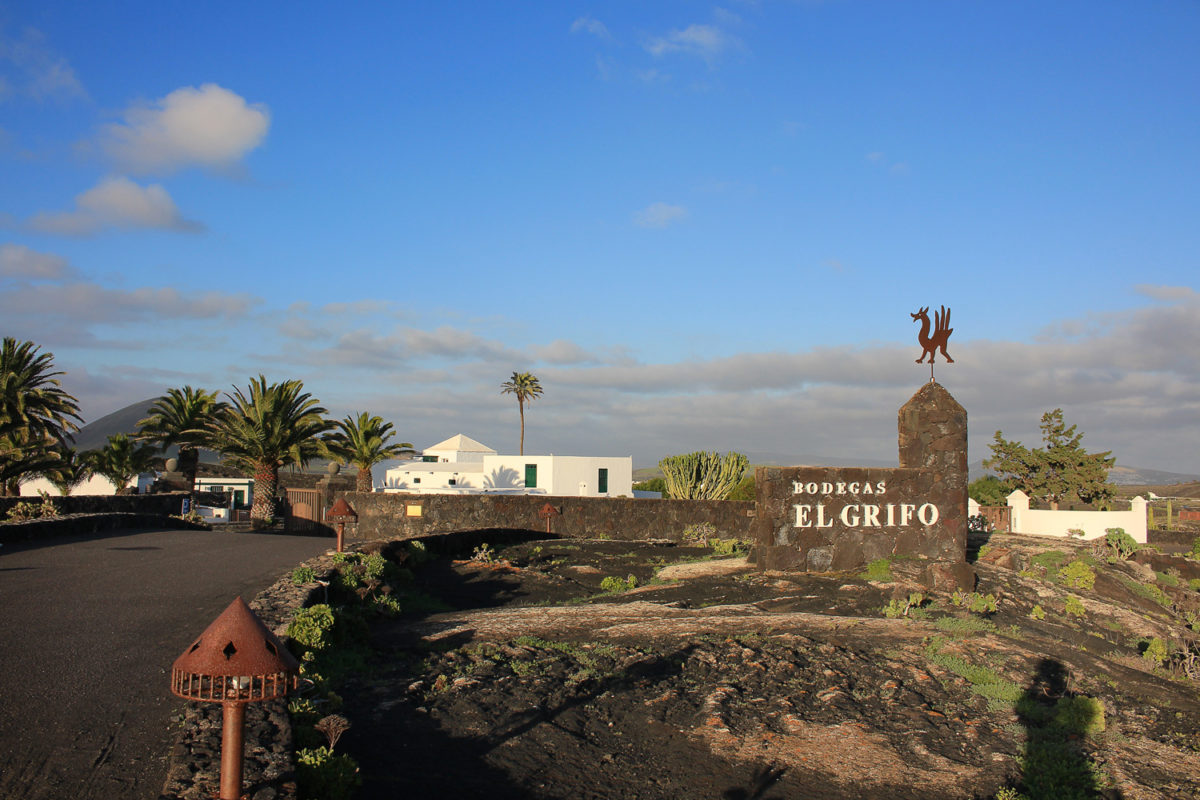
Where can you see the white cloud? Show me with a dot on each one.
(659, 215)
(40, 72)
(1168, 293)
(18, 261)
(116, 202)
(593, 26)
(209, 127)
(91, 303)
(705, 41)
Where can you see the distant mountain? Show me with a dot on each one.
(95, 434)
(1140, 476)
(763, 459)
(1120, 475)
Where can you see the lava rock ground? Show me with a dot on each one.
(709, 679)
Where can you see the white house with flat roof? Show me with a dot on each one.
(461, 465)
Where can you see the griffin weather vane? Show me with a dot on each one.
(930, 344)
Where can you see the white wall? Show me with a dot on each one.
(434, 478)
(95, 485)
(1094, 524)
(556, 475)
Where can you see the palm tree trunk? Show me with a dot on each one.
(521, 407)
(189, 461)
(266, 482)
(362, 482)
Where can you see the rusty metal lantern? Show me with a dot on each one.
(234, 662)
(547, 513)
(341, 513)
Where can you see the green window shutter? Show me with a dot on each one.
(531, 476)
(602, 481)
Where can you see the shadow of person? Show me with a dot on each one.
(760, 782)
(1056, 763)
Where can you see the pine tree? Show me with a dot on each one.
(1060, 470)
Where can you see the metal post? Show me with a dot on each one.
(233, 719)
(340, 535)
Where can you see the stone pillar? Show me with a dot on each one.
(933, 439)
(326, 486)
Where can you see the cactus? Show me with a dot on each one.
(702, 476)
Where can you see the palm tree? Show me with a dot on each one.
(183, 417)
(121, 460)
(71, 469)
(362, 441)
(268, 427)
(526, 387)
(36, 415)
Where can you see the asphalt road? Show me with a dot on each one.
(88, 632)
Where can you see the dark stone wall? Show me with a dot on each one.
(386, 516)
(344, 481)
(163, 504)
(837, 518)
(93, 526)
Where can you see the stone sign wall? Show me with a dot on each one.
(820, 519)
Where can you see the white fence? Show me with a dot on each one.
(1094, 524)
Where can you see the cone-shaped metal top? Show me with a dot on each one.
(341, 512)
(236, 646)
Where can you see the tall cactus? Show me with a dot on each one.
(702, 476)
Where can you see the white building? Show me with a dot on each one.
(461, 465)
(95, 485)
(240, 490)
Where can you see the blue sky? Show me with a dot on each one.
(702, 227)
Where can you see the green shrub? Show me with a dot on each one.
(961, 627)
(484, 554)
(1074, 606)
(1037, 612)
(1050, 561)
(321, 775)
(1146, 590)
(1196, 547)
(416, 553)
(1194, 584)
(1120, 543)
(700, 533)
(303, 575)
(1155, 652)
(311, 627)
(975, 602)
(388, 606)
(879, 570)
(1053, 767)
(33, 509)
(897, 608)
(1166, 578)
(729, 547)
(1078, 575)
(1080, 715)
(1009, 793)
(1001, 694)
(615, 585)
(374, 566)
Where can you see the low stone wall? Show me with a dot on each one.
(384, 516)
(1172, 541)
(164, 504)
(89, 525)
